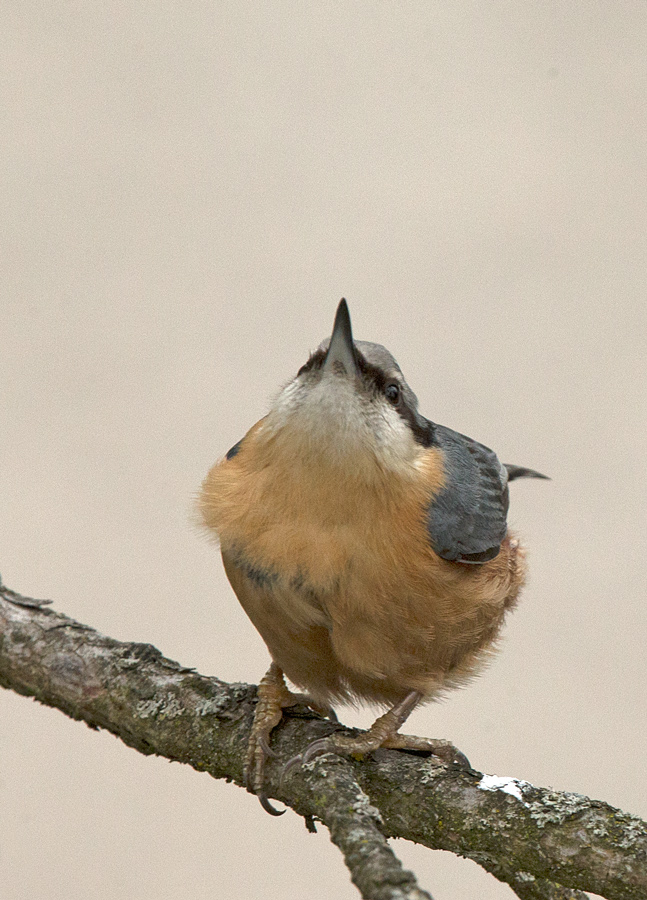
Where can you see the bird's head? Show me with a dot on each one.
(350, 404)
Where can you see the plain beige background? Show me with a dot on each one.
(188, 189)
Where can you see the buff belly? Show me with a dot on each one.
(366, 635)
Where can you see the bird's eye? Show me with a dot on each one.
(392, 393)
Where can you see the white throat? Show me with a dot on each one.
(333, 423)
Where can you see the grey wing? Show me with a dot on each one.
(466, 521)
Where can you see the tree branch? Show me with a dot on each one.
(546, 845)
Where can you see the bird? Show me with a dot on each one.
(368, 546)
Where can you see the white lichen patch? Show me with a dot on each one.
(431, 769)
(209, 707)
(554, 807)
(166, 707)
(363, 807)
(512, 786)
(633, 832)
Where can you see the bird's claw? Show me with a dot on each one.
(267, 806)
(253, 774)
(265, 747)
(314, 749)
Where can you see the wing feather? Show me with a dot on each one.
(467, 520)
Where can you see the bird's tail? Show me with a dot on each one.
(521, 472)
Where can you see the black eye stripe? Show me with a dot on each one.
(315, 361)
(373, 375)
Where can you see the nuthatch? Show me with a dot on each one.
(367, 544)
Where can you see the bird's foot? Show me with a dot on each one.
(273, 697)
(383, 733)
(361, 745)
(444, 750)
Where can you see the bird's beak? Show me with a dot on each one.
(341, 352)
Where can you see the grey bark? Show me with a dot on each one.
(547, 845)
